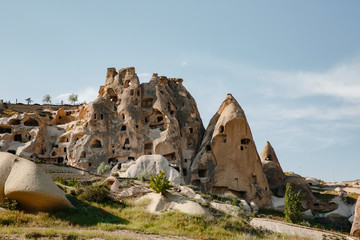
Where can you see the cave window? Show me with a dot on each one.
(268, 158)
(241, 148)
(127, 141)
(94, 115)
(131, 158)
(222, 129)
(160, 118)
(254, 179)
(101, 116)
(191, 130)
(177, 169)
(185, 171)
(146, 120)
(224, 140)
(18, 137)
(172, 112)
(123, 116)
(60, 160)
(5, 130)
(123, 128)
(202, 173)
(31, 122)
(89, 164)
(161, 92)
(29, 138)
(138, 93)
(148, 146)
(67, 139)
(146, 103)
(42, 151)
(127, 84)
(96, 144)
(245, 141)
(53, 154)
(208, 148)
(12, 151)
(14, 122)
(185, 160)
(183, 104)
(83, 154)
(64, 149)
(132, 92)
(137, 126)
(59, 117)
(68, 113)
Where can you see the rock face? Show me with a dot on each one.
(228, 160)
(355, 229)
(23, 181)
(272, 168)
(277, 179)
(152, 164)
(127, 120)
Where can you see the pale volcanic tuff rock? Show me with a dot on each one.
(23, 181)
(271, 167)
(277, 179)
(355, 229)
(127, 120)
(228, 160)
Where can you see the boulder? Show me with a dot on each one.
(227, 160)
(133, 191)
(23, 181)
(278, 203)
(199, 198)
(169, 202)
(299, 184)
(343, 210)
(226, 208)
(146, 165)
(272, 169)
(355, 229)
(113, 183)
(312, 181)
(188, 192)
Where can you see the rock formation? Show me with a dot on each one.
(23, 181)
(227, 160)
(144, 166)
(127, 120)
(272, 168)
(355, 229)
(277, 179)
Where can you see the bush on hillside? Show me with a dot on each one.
(293, 205)
(95, 193)
(159, 183)
(103, 168)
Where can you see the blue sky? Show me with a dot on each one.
(294, 66)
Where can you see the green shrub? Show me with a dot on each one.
(114, 174)
(95, 193)
(293, 205)
(159, 183)
(103, 168)
(9, 204)
(72, 182)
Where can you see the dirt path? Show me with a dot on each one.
(94, 234)
(293, 229)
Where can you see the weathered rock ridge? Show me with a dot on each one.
(227, 160)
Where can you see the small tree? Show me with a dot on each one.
(159, 183)
(47, 98)
(293, 205)
(73, 98)
(28, 100)
(103, 168)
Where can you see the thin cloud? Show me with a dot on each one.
(85, 95)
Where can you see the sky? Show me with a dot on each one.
(293, 66)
